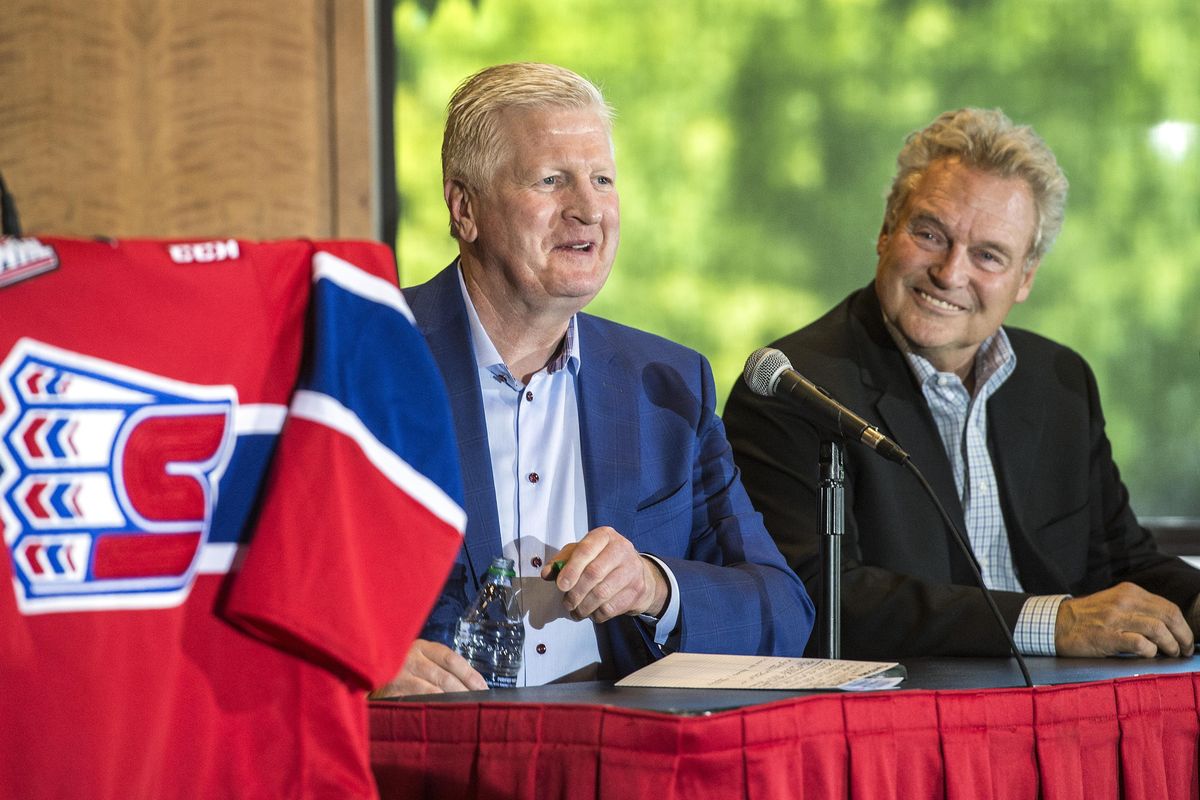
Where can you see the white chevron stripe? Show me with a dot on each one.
(363, 284)
(324, 410)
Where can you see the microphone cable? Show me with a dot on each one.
(965, 546)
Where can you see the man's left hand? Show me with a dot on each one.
(605, 577)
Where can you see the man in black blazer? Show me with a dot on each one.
(1005, 424)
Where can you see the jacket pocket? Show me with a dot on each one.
(669, 509)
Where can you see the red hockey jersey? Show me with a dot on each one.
(229, 495)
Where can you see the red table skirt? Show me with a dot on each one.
(1131, 738)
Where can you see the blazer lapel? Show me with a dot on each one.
(903, 410)
(442, 317)
(1015, 427)
(1016, 423)
(609, 430)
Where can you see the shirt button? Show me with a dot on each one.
(536, 562)
(529, 395)
(500, 378)
(534, 477)
(541, 649)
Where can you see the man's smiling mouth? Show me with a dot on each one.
(937, 303)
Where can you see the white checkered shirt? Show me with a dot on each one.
(962, 423)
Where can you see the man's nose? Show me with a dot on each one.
(584, 206)
(953, 269)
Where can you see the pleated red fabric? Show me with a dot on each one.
(1131, 738)
(1077, 742)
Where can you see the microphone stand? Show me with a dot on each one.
(831, 511)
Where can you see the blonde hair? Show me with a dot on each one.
(987, 140)
(472, 144)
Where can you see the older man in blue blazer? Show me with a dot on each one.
(581, 440)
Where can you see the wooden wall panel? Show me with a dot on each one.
(355, 132)
(178, 118)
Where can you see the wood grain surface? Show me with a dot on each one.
(187, 119)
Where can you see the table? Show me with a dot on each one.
(958, 728)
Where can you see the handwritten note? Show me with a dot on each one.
(703, 671)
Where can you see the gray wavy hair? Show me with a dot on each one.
(988, 140)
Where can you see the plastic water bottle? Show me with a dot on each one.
(490, 635)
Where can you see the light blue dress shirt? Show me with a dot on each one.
(962, 423)
(541, 500)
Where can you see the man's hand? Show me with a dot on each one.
(1123, 619)
(605, 577)
(432, 668)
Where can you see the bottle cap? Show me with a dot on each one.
(502, 566)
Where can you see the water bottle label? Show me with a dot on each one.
(502, 681)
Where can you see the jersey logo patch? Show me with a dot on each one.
(108, 478)
(204, 252)
(24, 258)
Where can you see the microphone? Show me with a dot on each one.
(769, 372)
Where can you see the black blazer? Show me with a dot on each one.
(906, 588)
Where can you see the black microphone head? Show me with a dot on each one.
(763, 369)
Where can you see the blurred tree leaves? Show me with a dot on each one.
(756, 140)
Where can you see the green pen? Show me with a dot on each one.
(556, 568)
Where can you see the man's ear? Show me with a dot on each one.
(1027, 277)
(882, 241)
(462, 211)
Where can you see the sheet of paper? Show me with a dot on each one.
(874, 683)
(702, 671)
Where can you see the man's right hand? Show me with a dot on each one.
(1120, 620)
(432, 668)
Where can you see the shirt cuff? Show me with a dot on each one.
(1034, 634)
(664, 625)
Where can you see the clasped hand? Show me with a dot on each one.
(605, 577)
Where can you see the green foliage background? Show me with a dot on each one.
(756, 138)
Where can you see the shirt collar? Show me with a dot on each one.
(487, 357)
(994, 362)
